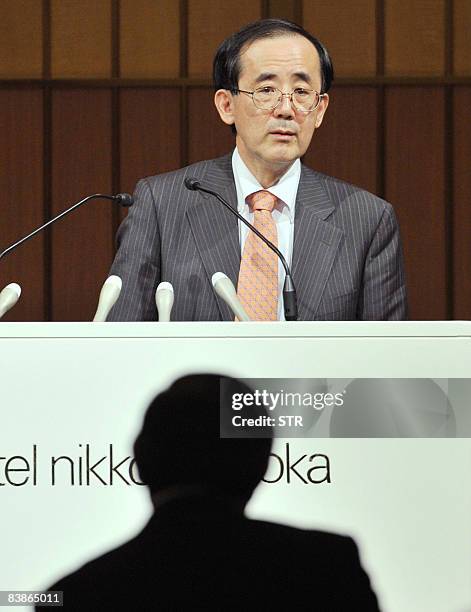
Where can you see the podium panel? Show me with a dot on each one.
(73, 399)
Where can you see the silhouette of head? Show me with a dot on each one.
(180, 443)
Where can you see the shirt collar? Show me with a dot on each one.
(285, 189)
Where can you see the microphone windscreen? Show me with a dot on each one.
(191, 183)
(124, 199)
(8, 297)
(217, 276)
(225, 289)
(164, 285)
(15, 288)
(109, 295)
(164, 297)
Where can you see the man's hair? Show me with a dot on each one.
(180, 442)
(226, 65)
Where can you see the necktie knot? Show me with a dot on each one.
(262, 200)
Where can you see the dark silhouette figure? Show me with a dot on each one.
(199, 551)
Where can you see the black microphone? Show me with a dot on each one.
(121, 198)
(290, 302)
(124, 199)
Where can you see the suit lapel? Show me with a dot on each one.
(215, 229)
(316, 242)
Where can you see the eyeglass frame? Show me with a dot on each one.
(290, 96)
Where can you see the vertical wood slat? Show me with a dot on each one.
(21, 39)
(149, 38)
(210, 22)
(414, 37)
(338, 24)
(150, 143)
(81, 165)
(462, 204)
(415, 185)
(208, 136)
(81, 39)
(282, 9)
(462, 37)
(345, 144)
(21, 186)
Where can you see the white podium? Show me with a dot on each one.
(72, 394)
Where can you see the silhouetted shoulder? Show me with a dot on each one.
(329, 562)
(223, 563)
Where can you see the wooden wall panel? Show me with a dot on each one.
(21, 39)
(462, 203)
(462, 37)
(208, 136)
(415, 37)
(415, 184)
(21, 185)
(81, 165)
(150, 143)
(210, 22)
(348, 30)
(149, 38)
(345, 146)
(283, 9)
(81, 38)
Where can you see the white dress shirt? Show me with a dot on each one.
(285, 190)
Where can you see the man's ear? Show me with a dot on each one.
(224, 102)
(320, 110)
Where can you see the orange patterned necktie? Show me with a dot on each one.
(258, 276)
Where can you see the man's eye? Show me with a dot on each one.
(266, 90)
(300, 91)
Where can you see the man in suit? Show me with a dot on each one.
(199, 551)
(271, 80)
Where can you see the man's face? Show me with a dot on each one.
(271, 139)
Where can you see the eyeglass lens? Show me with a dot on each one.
(268, 98)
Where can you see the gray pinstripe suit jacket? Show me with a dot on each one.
(346, 264)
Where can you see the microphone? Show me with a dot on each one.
(108, 296)
(125, 199)
(8, 297)
(225, 289)
(290, 302)
(164, 301)
(121, 198)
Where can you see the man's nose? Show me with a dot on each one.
(285, 107)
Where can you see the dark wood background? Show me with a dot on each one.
(97, 93)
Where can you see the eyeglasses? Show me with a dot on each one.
(268, 98)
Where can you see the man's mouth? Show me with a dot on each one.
(283, 135)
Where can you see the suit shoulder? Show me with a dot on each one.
(346, 194)
(198, 170)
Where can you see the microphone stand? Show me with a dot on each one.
(122, 198)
